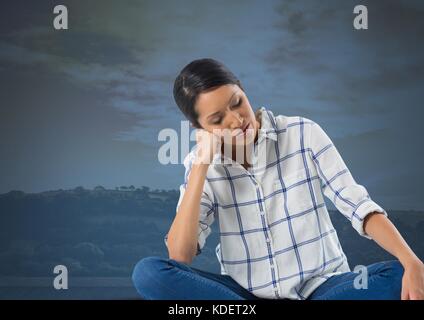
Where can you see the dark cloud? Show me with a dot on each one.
(96, 96)
(319, 42)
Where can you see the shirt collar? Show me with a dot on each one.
(268, 127)
(268, 130)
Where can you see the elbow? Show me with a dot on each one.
(369, 220)
(183, 256)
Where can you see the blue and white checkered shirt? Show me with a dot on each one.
(276, 236)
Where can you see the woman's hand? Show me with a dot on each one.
(413, 281)
(383, 231)
(208, 144)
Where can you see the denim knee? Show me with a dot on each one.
(145, 271)
(394, 268)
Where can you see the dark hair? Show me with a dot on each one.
(196, 77)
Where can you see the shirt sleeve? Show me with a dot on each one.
(337, 182)
(207, 208)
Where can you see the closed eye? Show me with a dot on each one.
(238, 104)
(219, 120)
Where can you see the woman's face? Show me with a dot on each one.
(226, 111)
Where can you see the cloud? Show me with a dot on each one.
(97, 96)
(87, 251)
(320, 51)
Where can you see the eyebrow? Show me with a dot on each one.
(215, 113)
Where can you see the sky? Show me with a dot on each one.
(84, 106)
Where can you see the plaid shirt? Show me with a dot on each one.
(276, 236)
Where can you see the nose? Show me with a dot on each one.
(237, 120)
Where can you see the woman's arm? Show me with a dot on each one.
(353, 201)
(382, 230)
(182, 236)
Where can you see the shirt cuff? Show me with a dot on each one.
(361, 212)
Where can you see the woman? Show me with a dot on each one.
(276, 237)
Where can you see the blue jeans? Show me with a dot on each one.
(158, 278)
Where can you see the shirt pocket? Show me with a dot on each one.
(296, 192)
